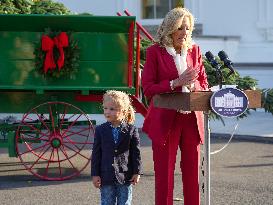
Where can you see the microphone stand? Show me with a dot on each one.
(219, 77)
(215, 64)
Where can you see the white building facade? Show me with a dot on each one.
(243, 29)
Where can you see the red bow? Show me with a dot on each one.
(48, 44)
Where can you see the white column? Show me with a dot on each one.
(265, 19)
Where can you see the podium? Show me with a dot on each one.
(200, 101)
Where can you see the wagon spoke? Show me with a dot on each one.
(71, 117)
(39, 158)
(53, 153)
(75, 142)
(30, 137)
(76, 152)
(43, 147)
(71, 125)
(34, 149)
(65, 154)
(28, 118)
(59, 163)
(41, 120)
(76, 133)
(63, 115)
(48, 162)
(51, 117)
(34, 128)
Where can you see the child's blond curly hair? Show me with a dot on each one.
(123, 101)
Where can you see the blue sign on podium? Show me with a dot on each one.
(229, 102)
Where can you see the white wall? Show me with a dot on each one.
(263, 76)
(232, 18)
(102, 7)
(251, 20)
(213, 44)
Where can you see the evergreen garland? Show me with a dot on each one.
(23, 6)
(267, 100)
(32, 7)
(49, 7)
(8, 7)
(71, 57)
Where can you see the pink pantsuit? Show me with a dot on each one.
(169, 129)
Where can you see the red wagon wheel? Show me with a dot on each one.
(54, 140)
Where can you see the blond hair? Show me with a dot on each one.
(170, 24)
(123, 101)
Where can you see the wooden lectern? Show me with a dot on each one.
(200, 101)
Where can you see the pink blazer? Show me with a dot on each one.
(159, 70)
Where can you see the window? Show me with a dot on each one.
(157, 9)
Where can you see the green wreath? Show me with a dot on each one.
(56, 59)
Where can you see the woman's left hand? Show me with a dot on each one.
(188, 77)
(135, 179)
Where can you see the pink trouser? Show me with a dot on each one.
(184, 134)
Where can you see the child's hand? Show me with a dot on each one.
(135, 179)
(96, 181)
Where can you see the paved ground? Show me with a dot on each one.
(241, 174)
(258, 124)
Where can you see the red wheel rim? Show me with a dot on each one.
(54, 140)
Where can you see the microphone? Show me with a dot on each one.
(216, 65)
(223, 57)
(212, 60)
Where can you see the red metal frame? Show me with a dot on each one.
(139, 106)
(138, 38)
(140, 27)
(89, 98)
(143, 30)
(137, 62)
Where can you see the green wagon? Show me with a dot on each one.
(55, 135)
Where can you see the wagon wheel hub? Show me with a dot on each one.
(56, 142)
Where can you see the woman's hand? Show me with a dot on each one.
(135, 179)
(188, 77)
(96, 181)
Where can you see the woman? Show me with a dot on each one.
(174, 64)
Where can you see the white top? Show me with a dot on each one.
(180, 61)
